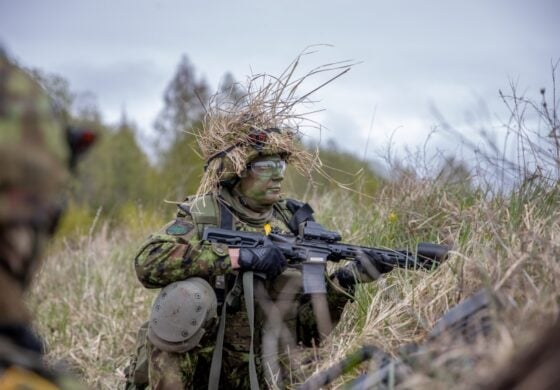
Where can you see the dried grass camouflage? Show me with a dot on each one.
(267, 102)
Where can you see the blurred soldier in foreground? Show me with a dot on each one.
(35, 153)
(536, 367)
(229, 315)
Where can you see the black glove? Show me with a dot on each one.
(347, 277)
(369, 268)
(268, 260)
(377, 262)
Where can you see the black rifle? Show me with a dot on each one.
(469, 321)
(314, 245)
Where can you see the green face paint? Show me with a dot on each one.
(262, 182)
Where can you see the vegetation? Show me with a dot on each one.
(504, 232)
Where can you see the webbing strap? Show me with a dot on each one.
(216, 366)
(250, 305)
(226, 222)
(301, 214)
(226, 218)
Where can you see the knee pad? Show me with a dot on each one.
(181, 314)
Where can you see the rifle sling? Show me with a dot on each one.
(216, 366)
(226, 218)
(243, 283)
(301, 213)
(248, 291)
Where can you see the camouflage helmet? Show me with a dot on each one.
(261, 122)
(33, 147)
(247, 146)
(265, 115)
(181, 314)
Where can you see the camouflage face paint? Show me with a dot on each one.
(263, 189)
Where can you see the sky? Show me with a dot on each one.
(414, 57)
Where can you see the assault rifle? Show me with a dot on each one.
(469, 321)
(313, 246)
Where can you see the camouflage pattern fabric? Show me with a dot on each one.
(32, 146)
(33, 153)
(176, 253)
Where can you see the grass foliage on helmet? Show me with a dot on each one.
(266, 118)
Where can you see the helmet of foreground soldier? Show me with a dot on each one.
(262, 123)
(35, 153)
(32, 148)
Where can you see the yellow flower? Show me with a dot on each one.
(392, 217)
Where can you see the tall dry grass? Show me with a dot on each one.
(87, 302)
(89, 305)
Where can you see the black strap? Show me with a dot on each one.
(301, 212)
(221, 154)
(226, 217)
(23, 336)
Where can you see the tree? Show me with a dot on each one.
(230, 91)
(117, 171)
(184, 100)
(184, 106)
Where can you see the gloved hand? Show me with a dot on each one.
(375, 265)
(368, 268)
(268, 260)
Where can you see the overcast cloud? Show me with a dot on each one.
(414, 55)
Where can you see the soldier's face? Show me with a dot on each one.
(262, 181)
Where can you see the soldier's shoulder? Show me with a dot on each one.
(202, 209)
(196, 203)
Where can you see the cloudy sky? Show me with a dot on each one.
(414, 55)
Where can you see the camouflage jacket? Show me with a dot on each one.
(176, 253)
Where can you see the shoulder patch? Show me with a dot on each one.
(179, 228)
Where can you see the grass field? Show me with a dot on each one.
(88, 303)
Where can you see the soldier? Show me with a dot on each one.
(34, 155)
(211, 326)
(203, 327)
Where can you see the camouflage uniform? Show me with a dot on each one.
(177, 253)
(33, 150)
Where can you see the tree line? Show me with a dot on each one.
(118, 173)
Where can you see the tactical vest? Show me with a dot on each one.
(207, 211)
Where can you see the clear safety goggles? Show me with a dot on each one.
(268, 168)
